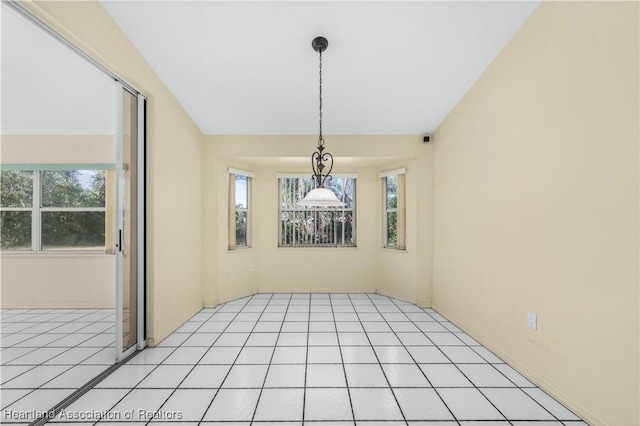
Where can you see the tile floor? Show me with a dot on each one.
(360, 359)
(46, 354)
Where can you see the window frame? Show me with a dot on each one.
(36, 210)
(352, 210)
(400, 209)
(233, 209)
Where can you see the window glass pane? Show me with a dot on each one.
(16, 188)
(241, 192)
(241, 228)
(392, 229)
(73, 188)
(337, 186)
(344, 190)
(350, 193)
(293, 190)
(392, 192)
(313, 227)
(73, 230)
(15, 232)
(346, 221)
(324, 226)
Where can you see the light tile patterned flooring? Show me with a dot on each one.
(46, 354)
(360, 359)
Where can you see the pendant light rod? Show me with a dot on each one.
(320, 44)
(320, 160)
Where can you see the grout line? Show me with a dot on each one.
(521, 388)
(379, 364)
(302, 387)
(70, 399)
(134, 387)
(236, 358)
(414, 360)
(44, 362)
(321, 306)
(458, 368)
(306, 361)
(270, 361)
(344, 369)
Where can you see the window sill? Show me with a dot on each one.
(317, 248)
(54, 254)
(240, 249)
(393, 250)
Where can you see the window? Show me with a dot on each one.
(394, 228)
(52, 210)
(239, 213)
(313, 226)
(16, 201)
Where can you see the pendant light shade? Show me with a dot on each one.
(321, 196)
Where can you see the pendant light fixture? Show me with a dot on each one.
(320, 160)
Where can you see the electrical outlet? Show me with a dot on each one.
(532, 321)
(364, 266)
(251, 267)
(228, 270)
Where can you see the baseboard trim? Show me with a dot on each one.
(542, 383)
(240, 296)
(322, 291)
(396, 296)
(157, 339)
(209, 305)
(424, 305)
(32, 305)
(314, 291)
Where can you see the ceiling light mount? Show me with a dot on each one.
(319, 44)
(320, 160)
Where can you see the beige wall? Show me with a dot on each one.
(367, 267)
(58, 281)
(536, 207)
(57, 149)
(174, 169)
(396, 271)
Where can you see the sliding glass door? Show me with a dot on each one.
(129, 223)
(71, 218)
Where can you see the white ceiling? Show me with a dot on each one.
(248, 67)
(46, 88)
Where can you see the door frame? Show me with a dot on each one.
(142, 212)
